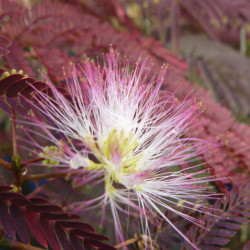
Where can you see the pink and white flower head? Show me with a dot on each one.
(121, 128)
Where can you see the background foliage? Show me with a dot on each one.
(204, 43)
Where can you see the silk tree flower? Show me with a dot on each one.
(124, 131)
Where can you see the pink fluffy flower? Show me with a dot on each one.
(126, 132)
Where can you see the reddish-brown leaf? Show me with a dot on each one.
(89, 235)
(215, 241)
(75, 242)
(76, 225)
(6, 82)
(60, 216)
(19, 223)
(20, 202)
(5, 188)
(222, 232)
(62, 237)
(44, 208)
(18, 86)
(99, 244)
(6, 196)
(229, 225)
(38, 200)
(34, 225)
(6, 220)
(49, 233)
(35, 86)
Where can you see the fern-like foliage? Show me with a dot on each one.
(16, 89)
(15, 59)
(219, 19)
(219, 230)
(220, 225)
(49, 34)
(221, 69)
(49, 223)
(47, 26)
(85, 34)
(4, 43)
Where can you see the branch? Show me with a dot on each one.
(25, 163)
(51, 175)
(127, 242)
(6, 165)
(14, 138)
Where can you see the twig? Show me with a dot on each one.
(25, 163)
(243, 40)
(16, 159)
(38, 189)
(127, 242)
(51, 175)
(14, 138)
(6, 165)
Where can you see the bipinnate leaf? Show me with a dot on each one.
(99, 244)
(86, 246)
(16, 59)
(61, 216)
(215, 241)
(77, 225)
(38, 200)
(75, 241)
(52, 33)
(19, 202)
(39, 208)
(35, 228)
(85, 234)
(5, 188)
(17, 92)
(49, 223)
(195, 12)
(19, 223)
(220, 229)
(18, 87)
(222, 232)
(229, 225)
(61, 235)
(42, 28)
(48, 232)
(6, 220)
(8, 81)
(4, 43)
